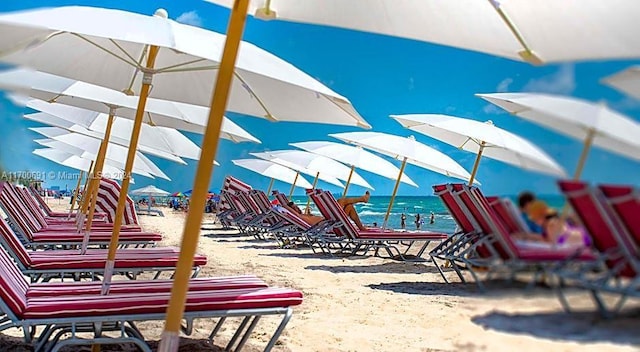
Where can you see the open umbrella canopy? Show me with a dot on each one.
(592, 123)
(572, 30)
(88, 147)
(299, 168)
(408, 148)
(76, 162)
(164, 142)
(355, 156)
(483, 139)
(318, 164)
(150, 190)
(108, 47)
(61, 90)
(626, 81)
(275, 171)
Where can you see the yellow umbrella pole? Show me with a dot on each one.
(270, 186)
(86, 186)
(346, 187)
(133, 146)
(97, 176)
(293, 185)
(395, 190)
(585, 151)
(171, 335)
(476, 164)
(76, 192)
(315, 182)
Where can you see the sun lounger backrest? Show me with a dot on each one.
(502, 208)
(35, 214)
(13, 214)
(249, 202)
(281, 197)
(107, 202)
(465, 223)
(292, 217)
(625, 202)
(330, 209)
(593, 215)
(235, 202)
(38, 198)
(261, 199)
(231, 183)
(10, 239)
(16, 206)
(13, 286)
(484, 215)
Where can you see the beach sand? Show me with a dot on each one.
(374, 304)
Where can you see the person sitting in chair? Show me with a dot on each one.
(555, 229)
(345, 203)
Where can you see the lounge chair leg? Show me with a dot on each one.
(248, 333)
(433, 259)
(217, 328)
(235, 337)
(279, 330)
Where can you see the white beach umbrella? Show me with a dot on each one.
(114, 160)
(408, 150)
(155, 140)
(76, 162)
(626, 81)
(356, 157)
(482, 139)
(90, 146)
(319, 164)
(70, 127)
(150, 190)
(108, 47)
(299, 168)
(61, 90)
(591, 123)
(572, 30)
(273, 171)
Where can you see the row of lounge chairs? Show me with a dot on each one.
(251, 212)
(609, 214)
(57, 313)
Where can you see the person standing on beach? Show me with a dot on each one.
(418, 221)
(403, 221)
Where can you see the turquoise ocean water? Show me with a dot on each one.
(374, 211)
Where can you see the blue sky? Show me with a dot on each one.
(381, 76)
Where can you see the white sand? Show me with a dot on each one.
(373, 304)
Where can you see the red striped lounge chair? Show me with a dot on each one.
(38, 236)
(373, 239)
(619, 252)
(50, 213)
(64, 310)
(31, 210)
(48, 264)
(30, 200)
(230, 183)
(514, 257)
(107, 202)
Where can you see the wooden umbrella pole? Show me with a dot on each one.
(588, 141)
(346, 187)
(476, 164)
(96, 188)
(315, 182)
(74, 197)
(395, 190)
(171, 335)
(270, 186)
(293, 185)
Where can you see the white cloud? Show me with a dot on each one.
(626, 103)
(503, 86)
(562, 81)
(493, 109)
(191, 18)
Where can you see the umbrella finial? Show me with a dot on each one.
(412, 137)
(489, 122)
(162, 13)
